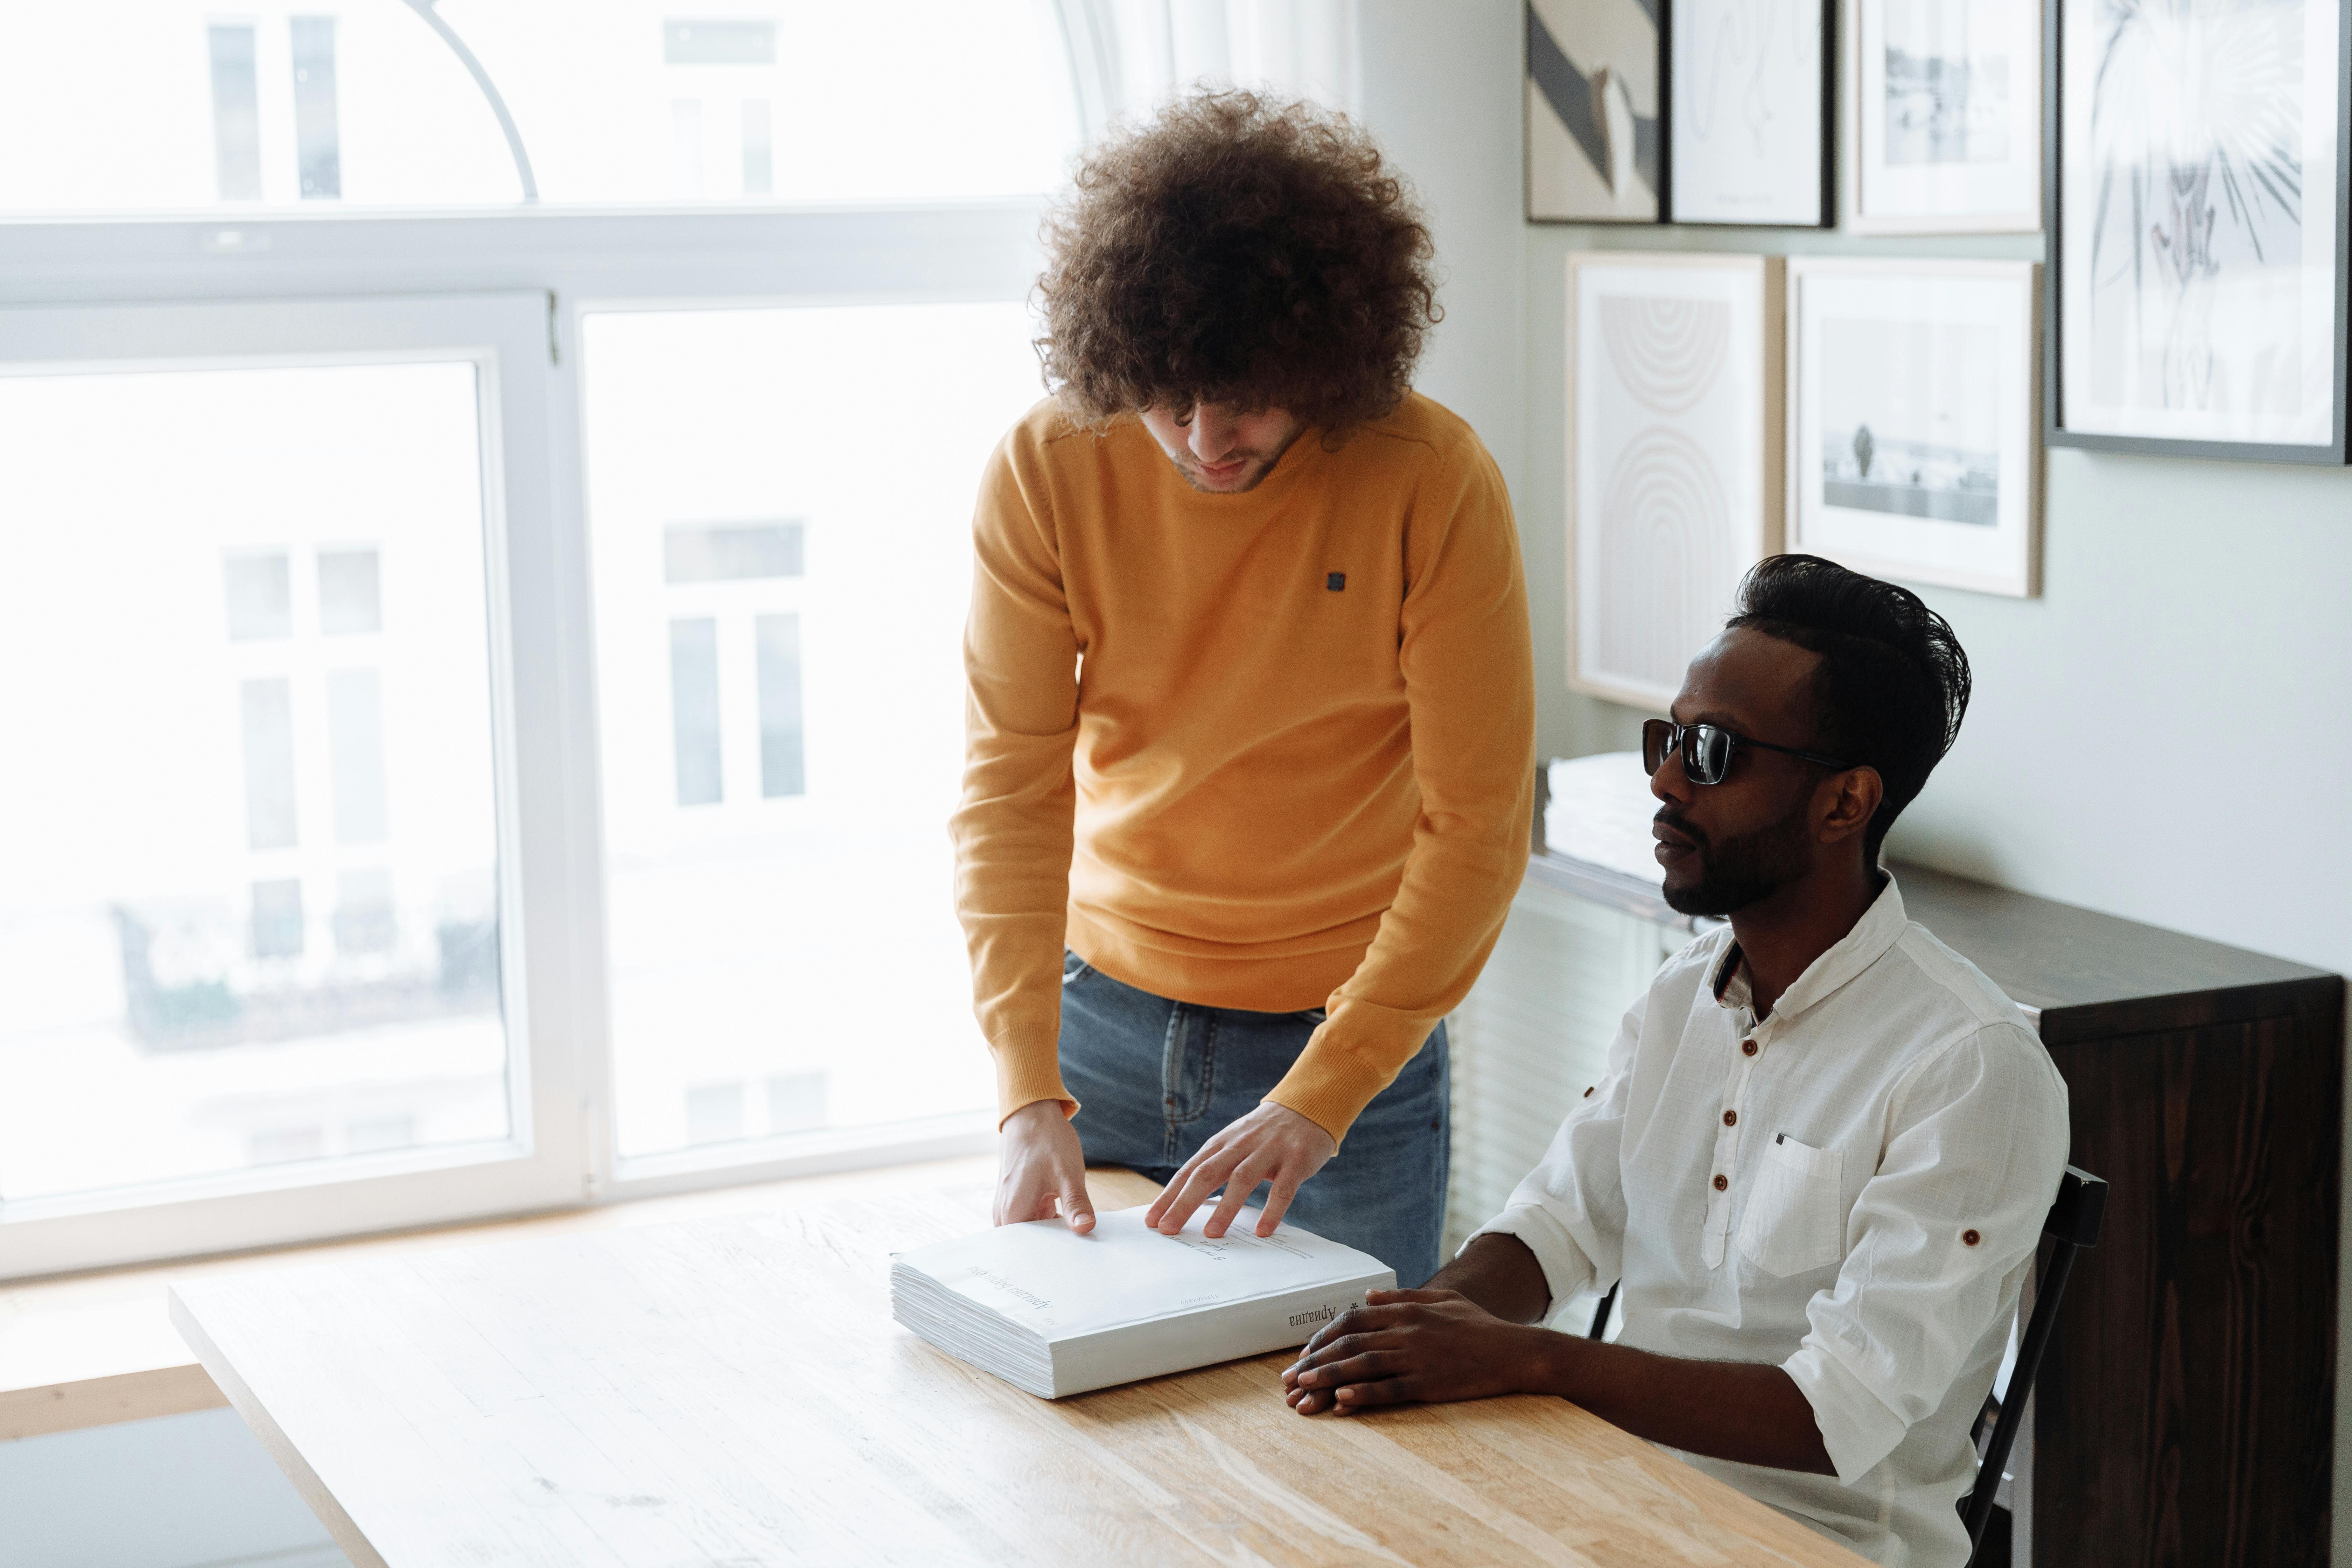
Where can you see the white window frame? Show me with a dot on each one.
(505, 289)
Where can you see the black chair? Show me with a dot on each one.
(1601, 1317)
(2073, 1224)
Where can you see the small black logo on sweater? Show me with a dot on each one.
(1337, 582)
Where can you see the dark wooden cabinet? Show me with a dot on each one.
(2186, 1414)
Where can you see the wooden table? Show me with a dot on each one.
(733, 1391)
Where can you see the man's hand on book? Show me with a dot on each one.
(1041, 1168)
(1273, 1143)
(1414, 1346)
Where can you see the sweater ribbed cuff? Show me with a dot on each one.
(1024, 1078)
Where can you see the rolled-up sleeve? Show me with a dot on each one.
(1937, 1243)
(1569, 1211)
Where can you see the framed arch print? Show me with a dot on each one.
(1673, 457)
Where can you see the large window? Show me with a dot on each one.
(253, 851)
(484, 502)
(779, 507)
(142, 105)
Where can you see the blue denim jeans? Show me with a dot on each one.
(1155, 1080)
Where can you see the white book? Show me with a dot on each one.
(1057, 1314)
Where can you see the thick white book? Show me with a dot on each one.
(1056, 1313)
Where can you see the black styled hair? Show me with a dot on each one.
(1892, 684)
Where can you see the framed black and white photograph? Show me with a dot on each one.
(1595, 110)
(1748, 136)
(1912, 421)
(1944, 99)
(2199, 246)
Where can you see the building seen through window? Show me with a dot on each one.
(252, 912)
(781, 533)
(142, 105)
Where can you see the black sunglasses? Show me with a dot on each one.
(1708, 749)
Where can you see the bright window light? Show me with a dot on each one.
(249, 911)
(779, 521)
(164, 105)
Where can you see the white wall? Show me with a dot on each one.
(2165, 735)
(1429, 91)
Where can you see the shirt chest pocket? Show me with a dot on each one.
(1795, 1220)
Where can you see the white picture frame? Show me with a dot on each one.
(1675, 453)
(1944, 100)
(1749, 113)
(1914, 420)
(2201, 241)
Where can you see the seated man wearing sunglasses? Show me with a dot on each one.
(1819, 1163)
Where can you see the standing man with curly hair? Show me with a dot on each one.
(1250, 749)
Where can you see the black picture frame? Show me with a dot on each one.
(1827, 110)
(2055, 432)
(1539, 70)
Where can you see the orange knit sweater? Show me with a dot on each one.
(1271, 750)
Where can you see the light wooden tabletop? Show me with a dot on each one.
(733, 1391)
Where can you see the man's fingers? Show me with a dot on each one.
(1361, 1368)
(1167, 1199)
(1173, 1193)
(1192, 1191)
(1357, 1396)
(1077, 1207)
(1354, 1321)
(1238, 1187)
(1277, 1204)
(1362, 1323)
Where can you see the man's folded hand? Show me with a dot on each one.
(1416, 1346)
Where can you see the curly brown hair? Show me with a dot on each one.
(1238, 250)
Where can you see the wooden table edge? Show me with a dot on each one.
(42, 1410)
(347, 1533)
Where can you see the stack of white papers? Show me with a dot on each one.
(1600, 812)
(1057, 1314)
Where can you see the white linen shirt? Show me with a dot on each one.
(1851, 1188)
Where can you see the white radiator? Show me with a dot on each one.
(1532, 1036)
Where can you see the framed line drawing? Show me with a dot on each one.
(1595, 148)
(1944, 99)
(1749, 136)
(1673, 457)
(2199, 242)
(1912, 420)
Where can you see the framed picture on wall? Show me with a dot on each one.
(1673, 457)
(1912, 424)
(1595, 110)
(1748, 134)
(2199, 243)
(1944, 99)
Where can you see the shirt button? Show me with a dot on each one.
(1732, 1119)
(1723, 1182)
(1970, 1238)
(1747, 1047)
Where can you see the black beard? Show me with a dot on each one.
(1741, 871)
